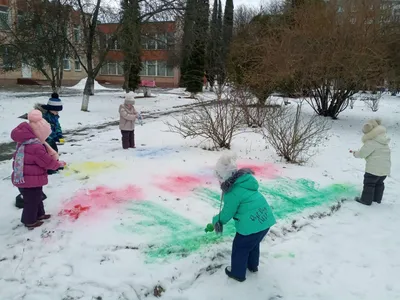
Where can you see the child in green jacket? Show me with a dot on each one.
(249, 209)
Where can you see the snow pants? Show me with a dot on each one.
(33, 205)
(246, 253)
(374, 187)
(128, 139)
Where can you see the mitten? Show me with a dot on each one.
(219, 228)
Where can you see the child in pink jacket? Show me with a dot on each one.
(32, 159)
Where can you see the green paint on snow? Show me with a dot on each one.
(174, 235)
(177, 236)
(288, 197)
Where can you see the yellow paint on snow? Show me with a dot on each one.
(89, 168)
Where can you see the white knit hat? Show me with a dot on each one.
(130, 98)
(226, 166)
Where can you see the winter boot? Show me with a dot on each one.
(44, 217)
(34, 225)
(228, 272)
(255, 270)
(358, 199)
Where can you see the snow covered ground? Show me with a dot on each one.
(103, 107)
(127, 222)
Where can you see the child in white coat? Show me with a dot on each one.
(376, 152)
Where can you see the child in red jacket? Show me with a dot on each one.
(32, 159)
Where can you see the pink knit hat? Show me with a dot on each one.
(39, 125)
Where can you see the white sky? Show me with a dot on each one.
(254, 3)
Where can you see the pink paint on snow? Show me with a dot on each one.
(87, 202)
(181, 185)
(265, 170)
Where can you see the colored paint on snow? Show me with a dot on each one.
(210, 196)
(89, 168)
(287, 196)
(154, 152)
(175, 235)
(178, 236)
(266, 170)
(181, 185)
(98, 199)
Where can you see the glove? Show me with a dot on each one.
(219, 228)
(209, 228)
(62, 141)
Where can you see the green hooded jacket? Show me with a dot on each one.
(246, 205)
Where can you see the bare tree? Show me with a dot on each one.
(253, 114)
(216, 121)
(292, 135)
(40, 42)
(372, 101)
(93, 50)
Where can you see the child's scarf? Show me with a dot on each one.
(19, 160)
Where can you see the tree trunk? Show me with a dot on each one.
(87, 92)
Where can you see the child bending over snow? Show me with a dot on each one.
(250, 210)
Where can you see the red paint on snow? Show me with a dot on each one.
(265, 170)
(181, 185)
(87, 202)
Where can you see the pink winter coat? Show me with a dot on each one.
(36, 159)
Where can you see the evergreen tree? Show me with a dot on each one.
(130, 43)
(214, 42)
(188, 38)
(227, 32)
(194, 73)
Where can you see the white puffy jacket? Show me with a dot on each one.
(376, 152)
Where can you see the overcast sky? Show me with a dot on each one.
(246, 2)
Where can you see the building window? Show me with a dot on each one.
(113, 44)
(4, 18)
(67, 64)
(159, 41)
(7, 57)
(157, 68)
(162, 42)
(77, 34)
(112, 68)
(77, 64)
(151, 42)
(151, 68)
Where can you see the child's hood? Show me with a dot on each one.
(22, 133)
(382, 139)
(377, 134)
(248, 182)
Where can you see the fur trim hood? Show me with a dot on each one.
(378, 134)
(228, 184)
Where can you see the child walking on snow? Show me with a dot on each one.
(376, 152)
(127, 120)
(250, 210)
(32, 159)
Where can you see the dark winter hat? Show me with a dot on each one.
(54, 103)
